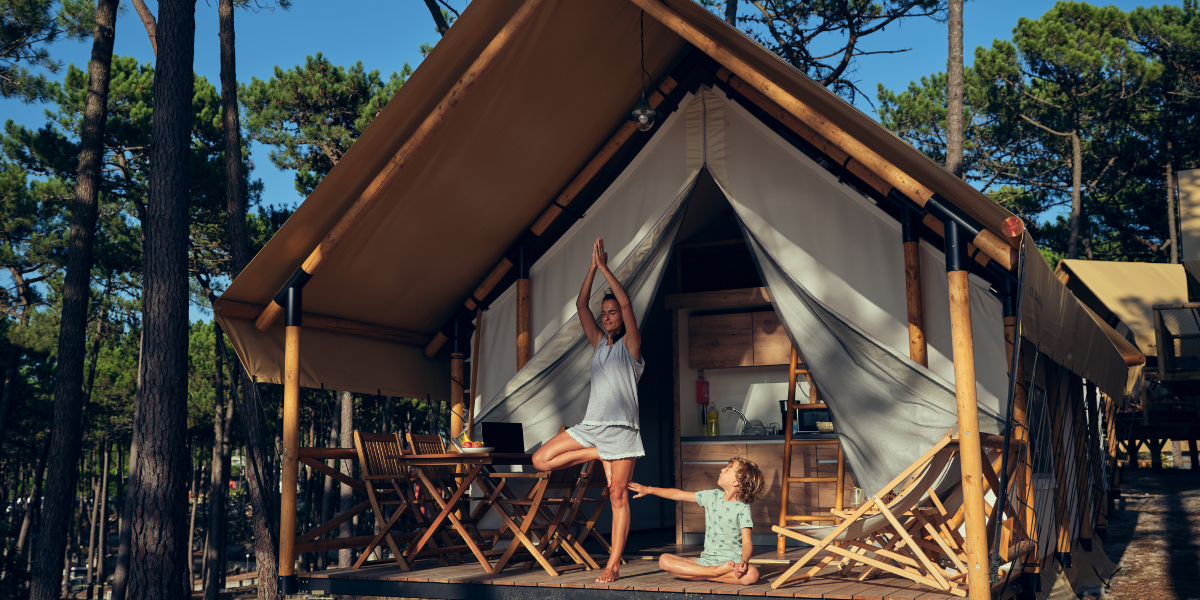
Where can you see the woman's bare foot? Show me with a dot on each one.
(607, 473)
(609, 575)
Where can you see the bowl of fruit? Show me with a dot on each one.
(469, 447)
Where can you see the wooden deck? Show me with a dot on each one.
(640, 578)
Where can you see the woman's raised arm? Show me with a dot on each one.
(633, 338)
(587, 320)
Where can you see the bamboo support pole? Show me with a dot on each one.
(970, 450)
(456, 394)
(291, 446)
(991, 244)
(573, 189)
(409, 149)
(524, 343)
(917, 348)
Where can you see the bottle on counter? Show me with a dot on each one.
(712, 427)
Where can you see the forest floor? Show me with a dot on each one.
(1155, 539)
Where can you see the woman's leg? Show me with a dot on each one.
(560, 452)
(618, 496)
(686, 568)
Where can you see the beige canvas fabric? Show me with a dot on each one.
(550, 101)
(1122, 294)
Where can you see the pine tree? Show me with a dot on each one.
(312, 114)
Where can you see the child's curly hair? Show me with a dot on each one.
(749, 479)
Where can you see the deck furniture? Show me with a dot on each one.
(388, 484)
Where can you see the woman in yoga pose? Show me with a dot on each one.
(609, 430)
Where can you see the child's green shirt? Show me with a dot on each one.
(723, 524)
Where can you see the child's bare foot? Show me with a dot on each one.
(609, 575)
(728, 567)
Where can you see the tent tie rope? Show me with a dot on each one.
(568, 210)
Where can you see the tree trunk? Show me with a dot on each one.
(346, 556)
(1170, 210)
(160, 518)
(68, 385)
(191, 540)
(731, 7)
(214, 566)
(258, 455)
(954, 92)
(438, 18)
(102, 568)
(235, 196)
(125, 532)
(11, 365)
(327, 499)
(35, 497)
(1076, 194)
(92, 531)
(261, 480)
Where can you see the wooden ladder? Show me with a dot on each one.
(798, 367)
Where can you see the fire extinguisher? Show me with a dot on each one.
(702, 395)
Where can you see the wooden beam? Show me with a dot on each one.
(552, 211)
(403, 157)
(242, 310)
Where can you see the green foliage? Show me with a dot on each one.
(312, 114)
(1124, 84)
(825, 38)
(26, 27)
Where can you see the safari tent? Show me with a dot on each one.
(754, 214)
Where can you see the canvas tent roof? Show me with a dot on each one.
(1123, 293)
(550, 101)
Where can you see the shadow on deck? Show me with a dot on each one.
(640, 578)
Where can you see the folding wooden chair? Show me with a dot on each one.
(584, 520)
(897, 547)
(433, 487)
(386, 480)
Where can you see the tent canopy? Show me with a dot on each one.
(551, 100)
(1123, 293)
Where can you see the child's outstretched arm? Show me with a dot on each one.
(669, 493)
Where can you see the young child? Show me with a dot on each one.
(727, 526)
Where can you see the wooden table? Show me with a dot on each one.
(473, 465)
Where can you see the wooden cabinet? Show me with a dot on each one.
(749, 339)
(703, 461)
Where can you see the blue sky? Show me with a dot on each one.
(384, 35)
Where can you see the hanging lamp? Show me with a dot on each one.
(643, 114)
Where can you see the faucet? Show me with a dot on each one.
(745, 423)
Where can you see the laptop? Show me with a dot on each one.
(504, 437)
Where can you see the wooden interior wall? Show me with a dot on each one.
(804, 498)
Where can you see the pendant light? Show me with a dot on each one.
(643, 114)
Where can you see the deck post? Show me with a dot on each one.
(291, 442)
(1020, 417)
(456, 381)
(917, 349)
(524, 343)
(968, 411)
